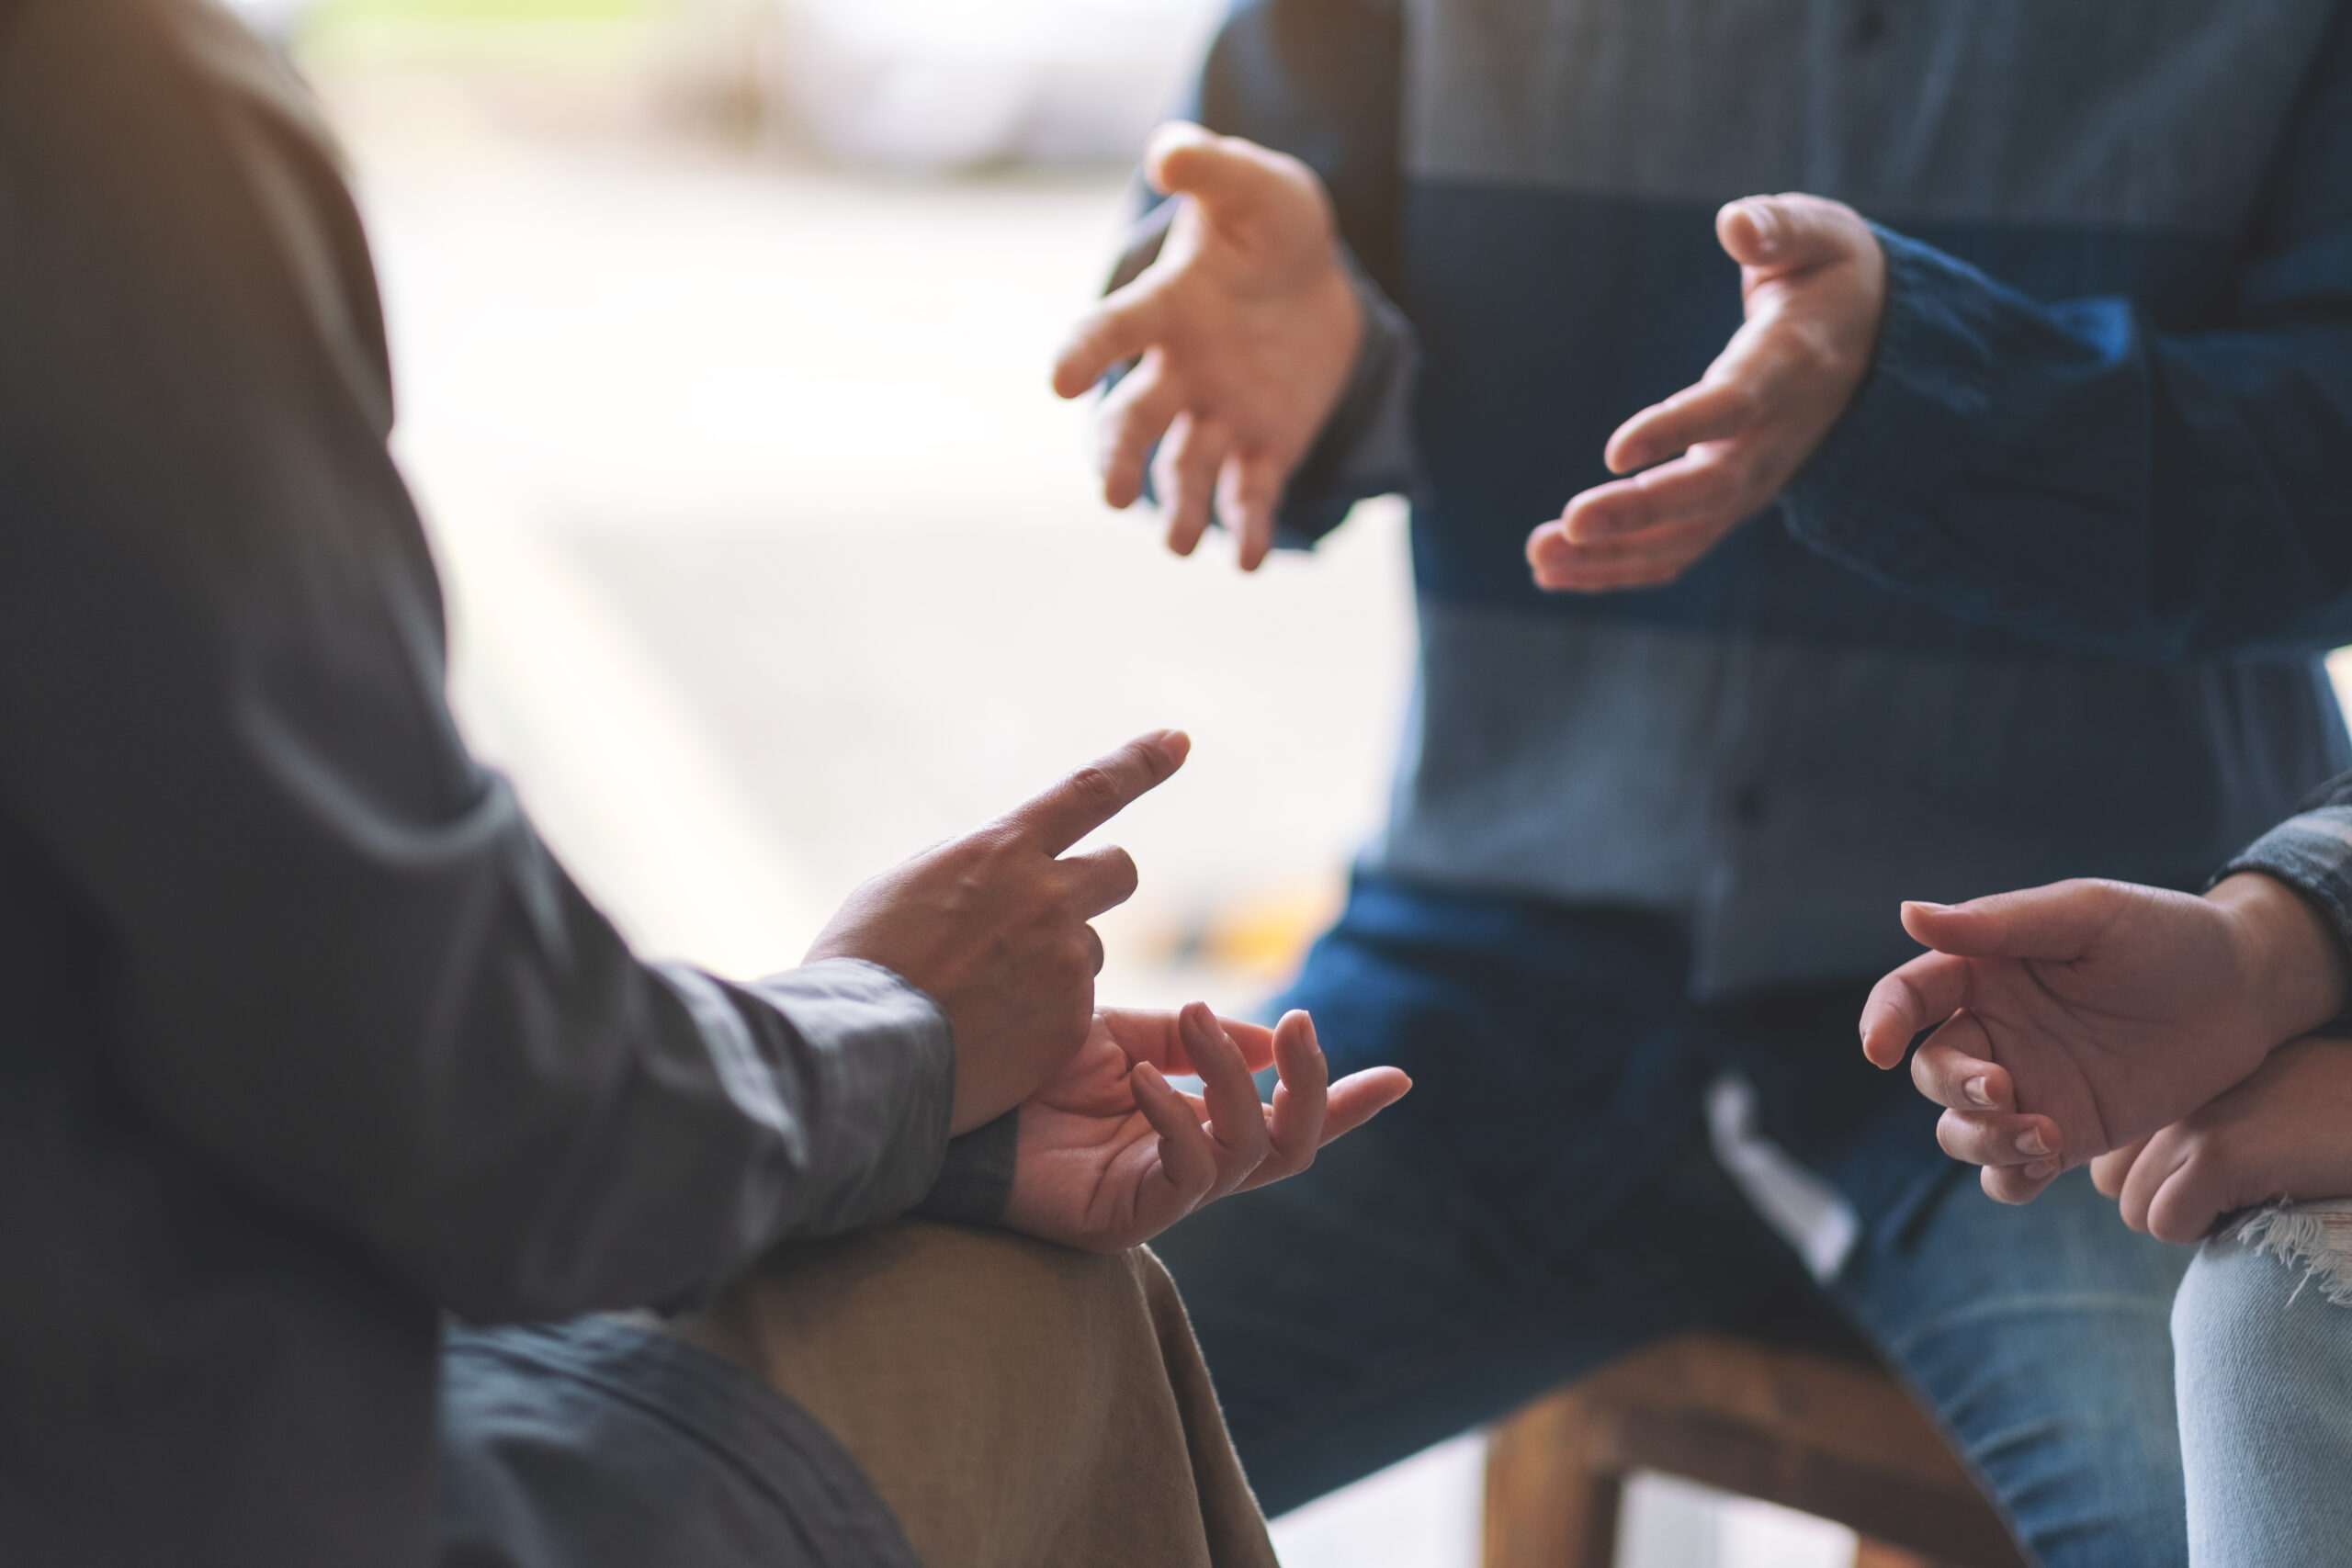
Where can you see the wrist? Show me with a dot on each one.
(2294, 964)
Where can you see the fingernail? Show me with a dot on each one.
(2041, 1171)
(1981, 1099)
(1767, 225)
(2030, 1142)
(1922, 904)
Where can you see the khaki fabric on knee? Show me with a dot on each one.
(1017, 1404)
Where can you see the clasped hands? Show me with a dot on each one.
(1243, 331)
(993, 927)
(2162, 1037)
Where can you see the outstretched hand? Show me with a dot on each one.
(2073, 1019)
(1110, 1154)
(1246, 326)
(1814, 280)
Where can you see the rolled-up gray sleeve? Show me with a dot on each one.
(2312, 852)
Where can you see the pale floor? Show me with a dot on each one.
(772, 560)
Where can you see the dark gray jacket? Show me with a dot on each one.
(304, 1037)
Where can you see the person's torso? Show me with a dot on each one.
(1772, 745)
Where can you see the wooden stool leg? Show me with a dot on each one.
(1547, 1505)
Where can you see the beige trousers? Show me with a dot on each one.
(1016, 1404)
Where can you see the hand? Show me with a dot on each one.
(2080, 1016)
(1247, 326)
(1813, 279)
(2283, 1134)
(992, 926)
(1110, 1155)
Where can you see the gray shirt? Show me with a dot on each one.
(304, 1037)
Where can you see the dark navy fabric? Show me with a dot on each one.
(598, 1444)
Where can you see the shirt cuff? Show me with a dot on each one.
(2311, 854)
(856, 1087)
(975, 1181)
(1366, 447)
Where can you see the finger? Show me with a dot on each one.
(2166, 1152)
(1120, 327)
(1250, 496)
(2057, 922)
(1789, 232)
(1237, 1117)
(1094, 953)
(2109, 1170)
(1134, 418)
(1559, 562)
(2000, 1140)
(1189, 461)
(1061, 816)
(1099, 880)
(1187, 1158)
(1705, 485)
(2016, 1184)
(1295, 1124)
(1231, 177)
(1358, 1098)
(1915, 997)
(1713, 409)
(2187, 1203)
(1575, 575)
(1155, 1035)
(1952, 1069)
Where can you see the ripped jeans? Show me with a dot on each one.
(2263, 1362)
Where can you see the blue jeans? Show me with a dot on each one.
(1546, 1199)
(2265, 1365)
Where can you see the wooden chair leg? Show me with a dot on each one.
(1547, 1505)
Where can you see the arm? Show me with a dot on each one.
(1275, 376)
(339, 964)
(2072, 473)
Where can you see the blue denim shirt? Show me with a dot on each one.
(2047, 601)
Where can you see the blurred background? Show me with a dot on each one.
(721, 330)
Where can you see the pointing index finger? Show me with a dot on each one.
(1063, 815)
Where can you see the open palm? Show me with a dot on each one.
(1110, 1154)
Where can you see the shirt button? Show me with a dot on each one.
(1748, 804)
(1870, 22)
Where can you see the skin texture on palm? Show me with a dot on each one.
(2283, 1135)
(1813, 278)
(1243, 330)
(1110, 1155)
(2073, 1019)
(994, 926)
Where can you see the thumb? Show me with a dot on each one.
(1227, 175)
(2058, 921)
(1788, 233)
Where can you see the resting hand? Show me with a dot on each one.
(2285, 1133)
(1110, 1155)
(993, 927)
(1813, 279)
(2078, 1017)
(1247, 326)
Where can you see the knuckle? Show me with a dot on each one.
(1094, 787)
